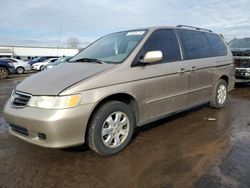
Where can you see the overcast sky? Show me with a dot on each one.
(40, 22)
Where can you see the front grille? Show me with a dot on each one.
(20, 130)
(19, 99)
(241, 53)
(242, 63)
(240, 71)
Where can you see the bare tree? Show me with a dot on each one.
(73, 42)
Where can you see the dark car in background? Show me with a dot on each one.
(6, 68)
(41, 59)
(241, 52)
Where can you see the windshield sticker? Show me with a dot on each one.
(135, 33)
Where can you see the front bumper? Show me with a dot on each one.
(62, 128)
(242, 74)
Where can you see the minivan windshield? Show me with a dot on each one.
(240, 43)
(112, 48)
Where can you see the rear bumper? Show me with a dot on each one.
(12, 70)
(59, 128)
(35, 68)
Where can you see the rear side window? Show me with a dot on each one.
(216, 44)
(195, 44)
(11, 60)
(165, 41)
(53, 60)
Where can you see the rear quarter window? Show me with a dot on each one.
(216, 44)
(195, 45)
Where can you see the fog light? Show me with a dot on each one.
(247, 74)
(41, 136)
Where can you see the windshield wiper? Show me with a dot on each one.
(90, 60)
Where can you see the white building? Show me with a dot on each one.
(25, 52)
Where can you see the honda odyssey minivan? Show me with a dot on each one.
(121, 81)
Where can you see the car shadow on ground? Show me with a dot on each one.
(242, 85)
(146, 127)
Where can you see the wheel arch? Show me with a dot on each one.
(20, 66)
(226, 78)
(122, 97)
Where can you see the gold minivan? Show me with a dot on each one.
(121, 81)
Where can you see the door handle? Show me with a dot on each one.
(182, 70)
(193, 68)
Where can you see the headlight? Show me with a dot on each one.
(57, 102)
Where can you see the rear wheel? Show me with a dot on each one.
(111, 128)
(4, 73)
(20, 70)
(220, 95)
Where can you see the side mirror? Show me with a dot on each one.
(152, 57)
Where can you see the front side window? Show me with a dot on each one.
(113, 48)
(163, 40)
(195, 44)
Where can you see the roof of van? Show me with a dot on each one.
(192, 28)
(152, 28)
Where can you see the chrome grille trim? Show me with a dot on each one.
(19, 99)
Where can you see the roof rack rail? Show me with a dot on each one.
(197, 28)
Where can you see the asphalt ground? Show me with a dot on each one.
(200, 148)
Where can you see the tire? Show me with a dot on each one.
(20, 70)
(42, 68)
(103, 137)
(220, 95)
(4, 73)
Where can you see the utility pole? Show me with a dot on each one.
(59, 38)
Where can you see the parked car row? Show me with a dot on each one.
(41, 59)
(20, 66)
(6, 68)
(49, 63)
(11, 65)
(39, 66)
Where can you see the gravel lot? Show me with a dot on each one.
(186, 150)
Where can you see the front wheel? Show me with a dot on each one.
(42, 68)
(220, 95)
(111, 128)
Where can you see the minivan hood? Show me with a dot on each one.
(54, 81)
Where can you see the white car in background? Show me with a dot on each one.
(20, 65)
(41, 65)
